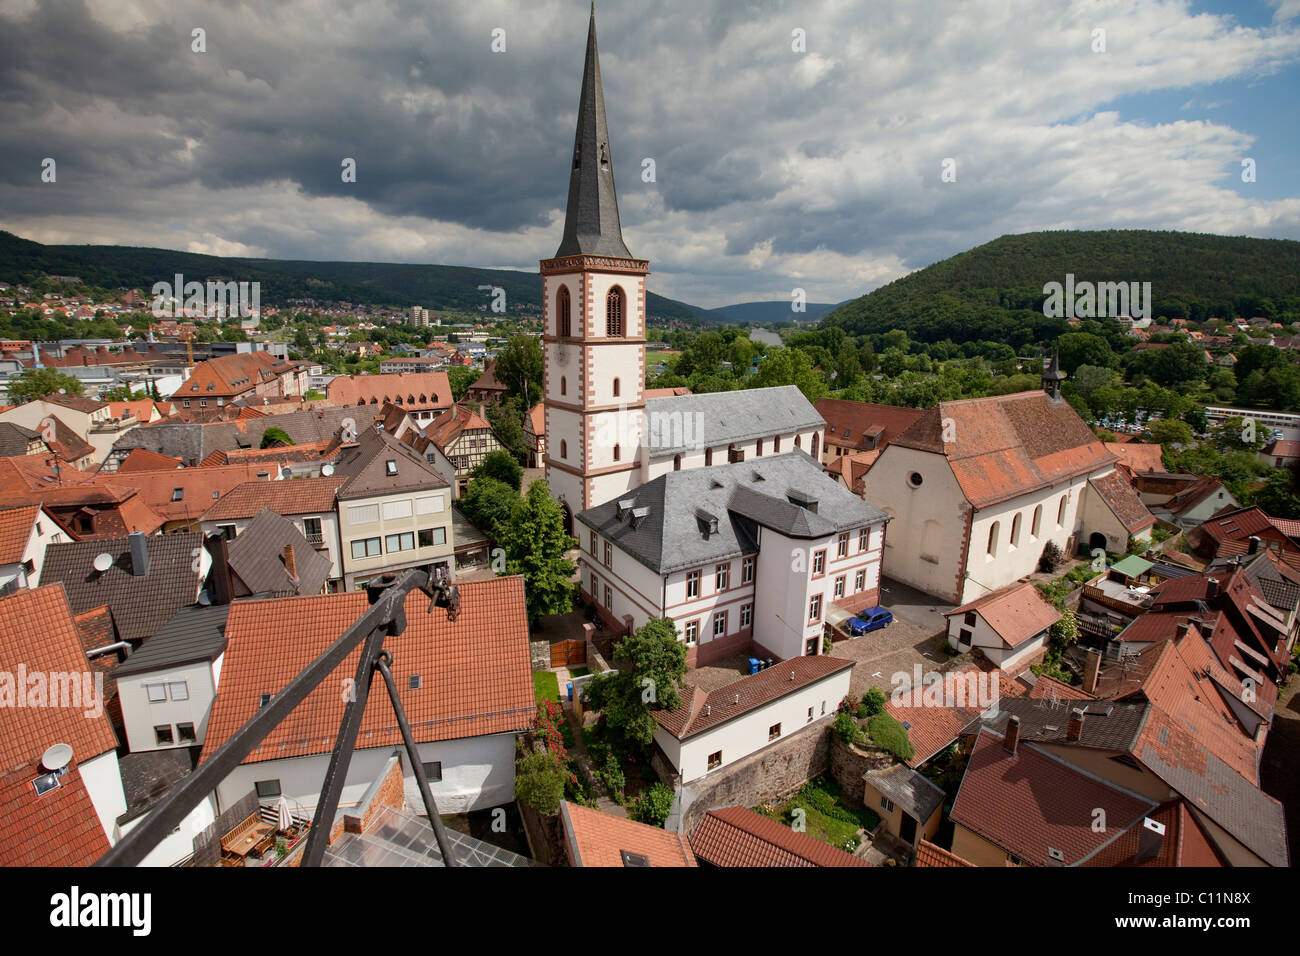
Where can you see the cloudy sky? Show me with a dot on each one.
(774, 168)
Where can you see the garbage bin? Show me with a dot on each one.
(753, 665)
(569, 685)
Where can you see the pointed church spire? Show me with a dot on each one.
(591, 224)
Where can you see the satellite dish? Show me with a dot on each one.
(205, 599)
(103, 561)
(56, 757)
(286, 472)
(327, 469)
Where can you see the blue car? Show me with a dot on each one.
(873, 618)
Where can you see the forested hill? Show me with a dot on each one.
(995, 291)
(369, 283)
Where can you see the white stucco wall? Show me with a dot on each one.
(748, 734)
(141, 716)
(477, 772)
(103, 780)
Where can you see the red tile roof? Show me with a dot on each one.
(1184, 842)
(853, 468)
(1032, 801)
(477, 677)
(1124, 503)
(200, 488)
(1138, 457)
(930, 728)
(41, 635)
(448, 426)
(415, 389)
(228, 376)
(1016, 612)
(58, 828)
(700, 711)
(1008, 445)
(862, 425)
(142, 459)
(734, 836)
(15, 531)
(1193, 495)
(290, 496)
(597, 839)
(927, 854)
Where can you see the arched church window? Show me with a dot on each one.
(615, 312)
(564, 311)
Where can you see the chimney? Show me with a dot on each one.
(1254, 544)
(139, 554)
(1150, 840)
(290, 564)
(1211, 589)
(1092, 671)
(1074, 730)
(1012, 737)
(1181, 631)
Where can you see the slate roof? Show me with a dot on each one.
(15, 440)
(672, 533)
(256, 557)
(1016, 612)
(140, 605)
(1008, 445)
(194, 634)
(1033, 801)
(910, 791)
(701, 711)
(1123, 501)
(735, 836)
(289, 496)
(476, 674)
(364, 469)
(1107, 725)
(599, 839)
(591, 225)
(719, 418)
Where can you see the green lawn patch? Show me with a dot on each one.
(825, 817)
(546, 686)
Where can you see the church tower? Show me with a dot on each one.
(593, 332)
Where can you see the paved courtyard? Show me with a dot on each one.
(916, 636)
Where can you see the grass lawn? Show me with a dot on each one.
(825, 817)
(546, 686)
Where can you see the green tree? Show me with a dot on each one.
(507, 421)
(461, 378)
(1171, 431)
(535, 543)
(539, 782)
(274, 437)
(502, 466)
(489, 504)
(118, 393)
(651, 662)
(653, 806)
(518, 367)
(33, 383)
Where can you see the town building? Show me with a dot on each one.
(742, 557)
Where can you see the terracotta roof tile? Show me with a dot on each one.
(599, 839)
(734, 836)
(1008, 445)
(927, 854)
(40, 635)
(423, 389)
(142, 459)
(15, 531)
(1123, 501)
(291, 496)
(700, 711)
(1030, 802)
(476, 674)
(58, 828)
(862, 425)
(1016, 612)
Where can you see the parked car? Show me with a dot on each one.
(872, 619)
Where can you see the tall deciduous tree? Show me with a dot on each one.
(519, 367)
(535, 543)
(651, 662)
